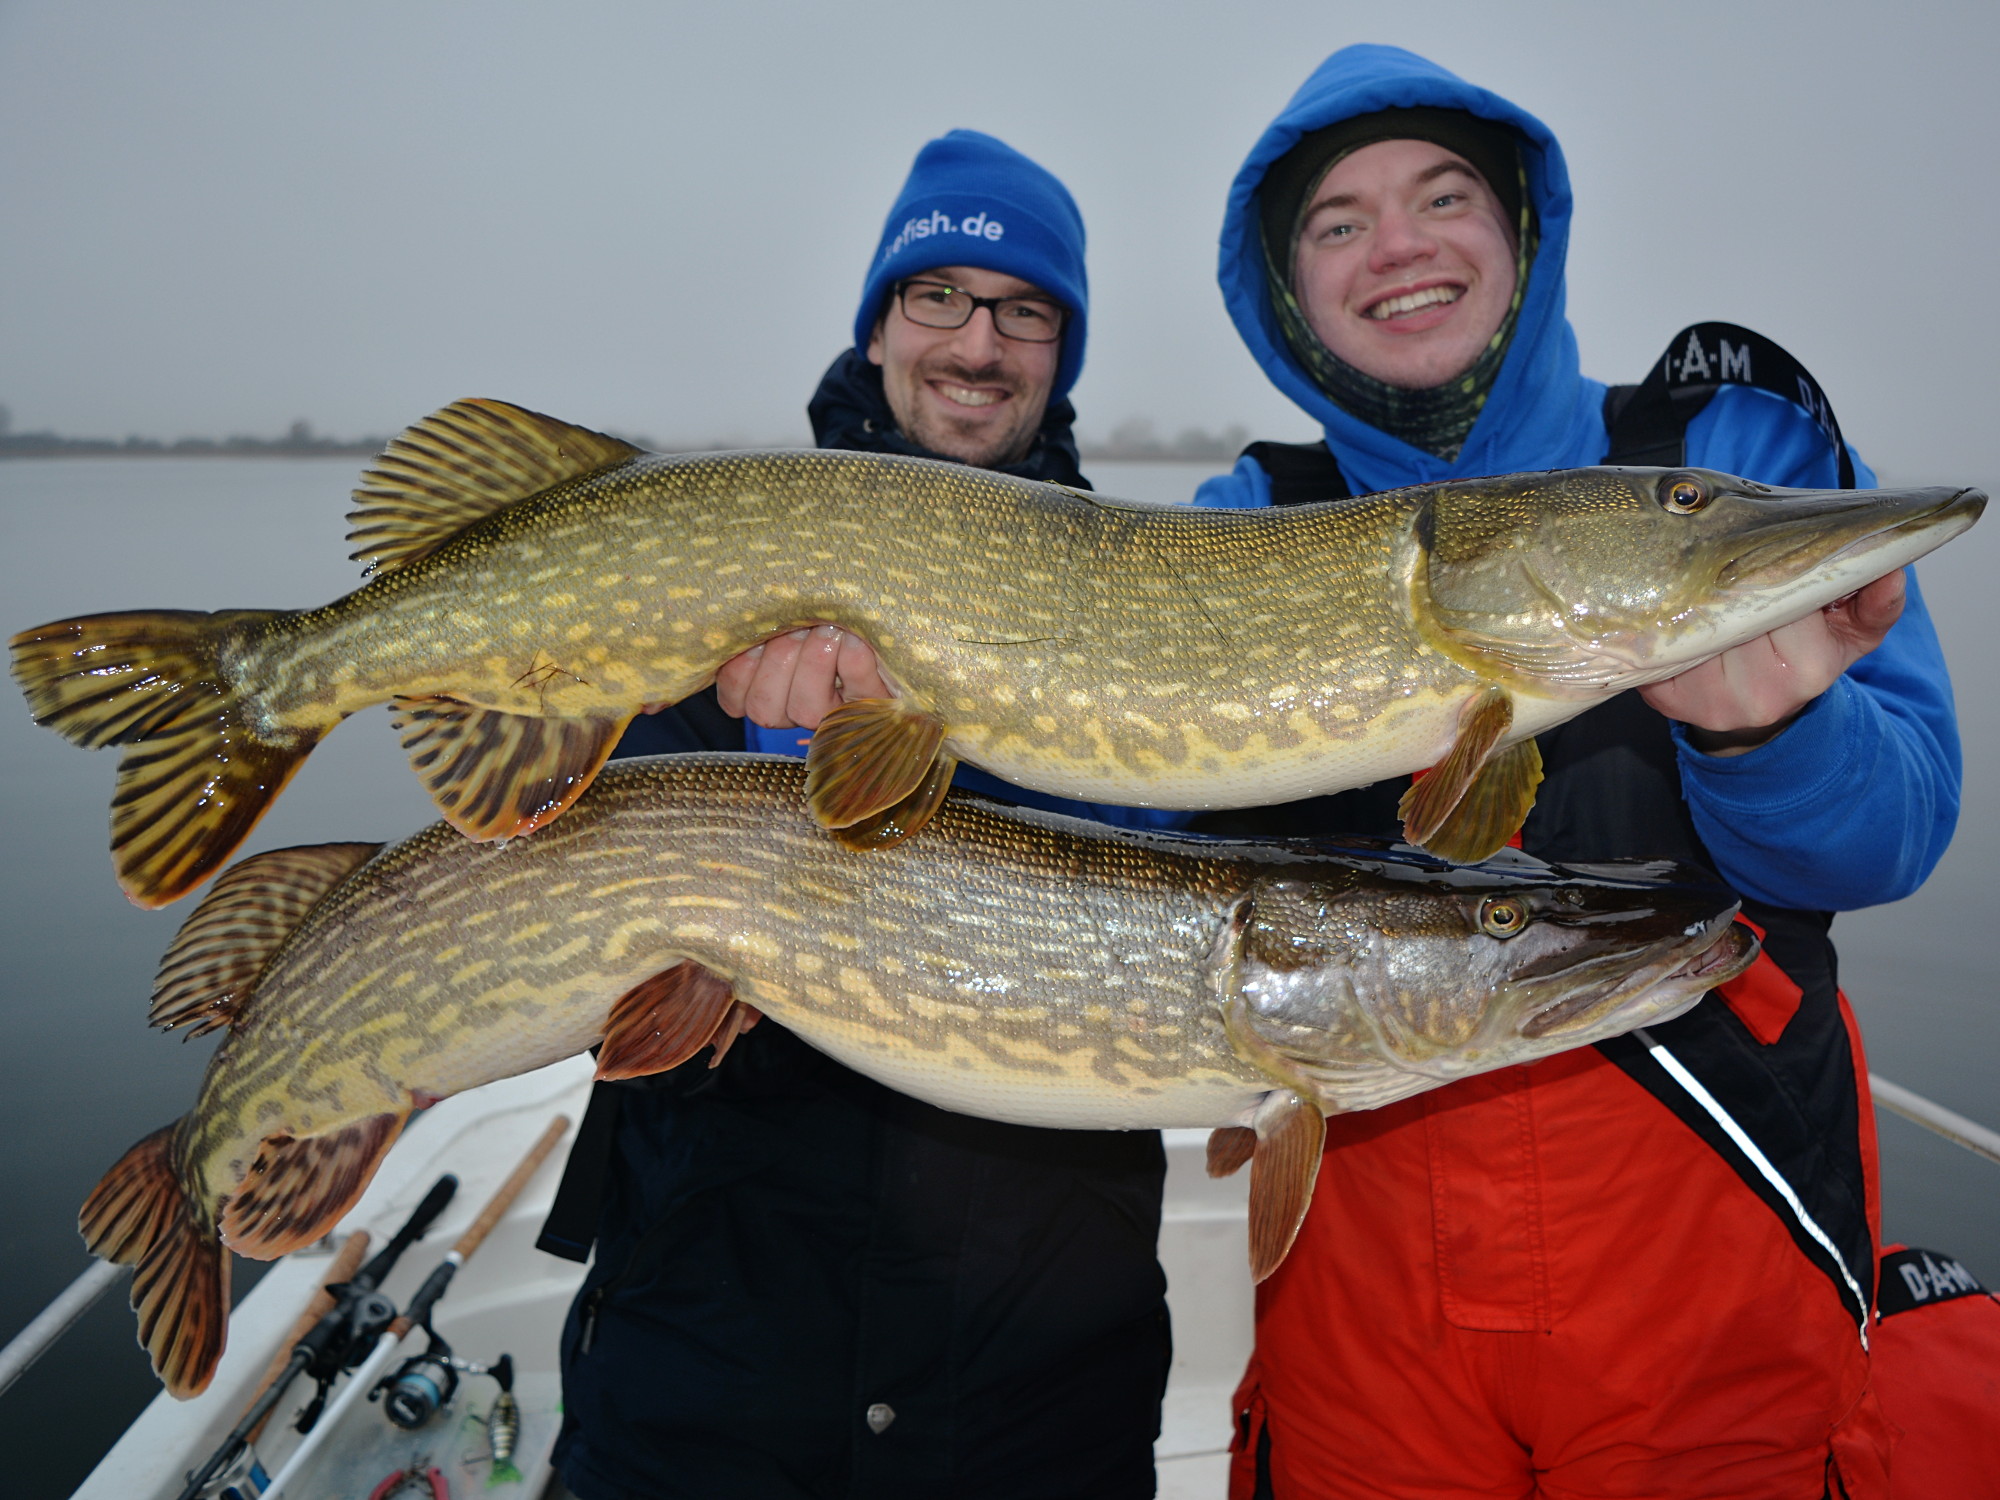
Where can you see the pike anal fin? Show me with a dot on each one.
(1291, 1135)
(663, 1021)
(1473, 801)
(498, 775)
(874, 757)
(298, 1187)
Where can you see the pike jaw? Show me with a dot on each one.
(1582, 583)
(1370, 998)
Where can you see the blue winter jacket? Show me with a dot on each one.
(1854, 803)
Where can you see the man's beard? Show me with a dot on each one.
(983, 447)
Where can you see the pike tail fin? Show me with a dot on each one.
(196, 777)
(139, 1216)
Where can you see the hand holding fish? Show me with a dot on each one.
(797, 679)
(1745, 697)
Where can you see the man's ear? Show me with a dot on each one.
(874, 349)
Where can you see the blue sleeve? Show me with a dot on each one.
(1855, 802)
(1245, 487)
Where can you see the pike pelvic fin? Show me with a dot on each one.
(1291, 1135)
(663, 1021)
(1429, 801)
(197, 776)
(885, 830)
(1493, 808)
(460, 465)
(1229, 1146)
(496, 775)
(871, 757)
(213, 963)
(299, 1186)
(138, 1216)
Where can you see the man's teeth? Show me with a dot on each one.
(1409, 303)
(965, 395)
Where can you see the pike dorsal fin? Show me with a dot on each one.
(663, 1021)
(214, 961)
(460, 465)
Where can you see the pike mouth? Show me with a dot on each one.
(1951, 513)
(1720, 961)
(1410, 302)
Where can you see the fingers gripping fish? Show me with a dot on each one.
(537, 584)
(1014, 965)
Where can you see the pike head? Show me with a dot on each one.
(1359, 988)
(1585, 582)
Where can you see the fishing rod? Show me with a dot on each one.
(367, 1377)
(337, 1341)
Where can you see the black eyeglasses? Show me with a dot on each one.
(936, 305)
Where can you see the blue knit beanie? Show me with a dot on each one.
(971, 200)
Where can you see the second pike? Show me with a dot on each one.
(1009, 964)
(538, 583)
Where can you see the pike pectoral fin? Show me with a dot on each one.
(138, 1216)
(870, 757)
(663, 1021)
(906, 817)
(1229, 1146)
(495, 775)
(1428, 806)
(1291, 1134)
(1493, 808)
(299, 1186)
(740, 1019)
(214, 960)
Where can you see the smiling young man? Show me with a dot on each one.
(807, 1286)
(1645, 1268)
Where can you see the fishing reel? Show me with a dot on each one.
(423, 1385)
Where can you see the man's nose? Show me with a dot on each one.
(1399, 239)
(978, 342)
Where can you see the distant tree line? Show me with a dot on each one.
(1133, 440)
(1136, 440)
(299, 441)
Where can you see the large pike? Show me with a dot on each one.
(537, 584)
(1010, 964)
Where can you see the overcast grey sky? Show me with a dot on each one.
(218, 217)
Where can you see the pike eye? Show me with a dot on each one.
(1683, 494)
(1502, 917)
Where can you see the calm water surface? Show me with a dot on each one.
(81, 1076)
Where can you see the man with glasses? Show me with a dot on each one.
(806, 1284)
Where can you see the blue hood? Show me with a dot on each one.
(1541, 413)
